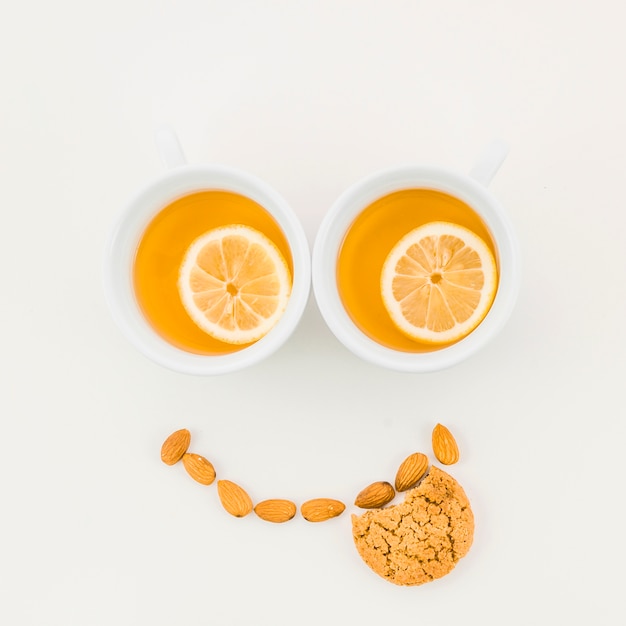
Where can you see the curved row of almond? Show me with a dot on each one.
(234, 498)
(238, 503)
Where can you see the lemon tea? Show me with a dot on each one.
(161, 251)
(371, 237)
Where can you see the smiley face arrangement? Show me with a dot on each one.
(411, 543)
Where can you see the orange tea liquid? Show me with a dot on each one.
(369, 240)
(161, 251)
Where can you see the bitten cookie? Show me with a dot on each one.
(420, 539)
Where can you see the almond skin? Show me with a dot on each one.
(175, 446)
(277, 511)
(199, 468)
(411, 470)
(444, 445)
(375, 495)
(321, 509)
(234, 499)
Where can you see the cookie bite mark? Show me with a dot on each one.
(422, 538)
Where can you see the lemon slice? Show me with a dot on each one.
(234, 283)
(438, 282)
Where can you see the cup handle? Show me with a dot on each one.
(489, 161)
(168, 147)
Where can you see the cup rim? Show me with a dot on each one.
(124, 237)
(341, 215)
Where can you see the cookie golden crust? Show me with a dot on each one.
(420, 539)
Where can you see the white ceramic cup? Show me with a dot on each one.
(182, 179)
(471, 189)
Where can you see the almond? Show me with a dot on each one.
(411, 470)
(375, 495)
(175, 446)
(276, 511)
(321, 509)
(444, 445)
(234, 499)
(199, 468)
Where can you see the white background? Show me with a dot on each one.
(310, 96)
